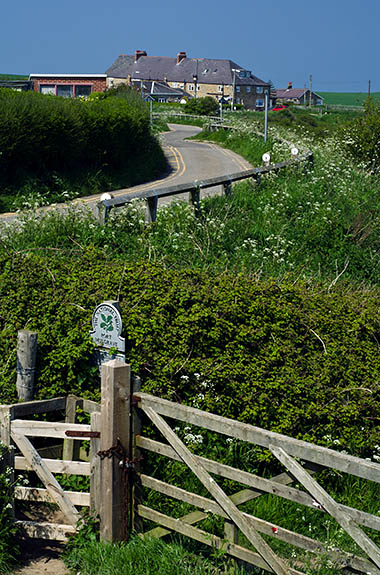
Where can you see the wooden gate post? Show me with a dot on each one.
(26, 364)
(8, 459)
(115, 440)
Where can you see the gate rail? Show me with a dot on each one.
(117, 475)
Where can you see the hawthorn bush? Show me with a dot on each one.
(284, 356)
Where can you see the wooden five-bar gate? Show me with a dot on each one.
(117, 473)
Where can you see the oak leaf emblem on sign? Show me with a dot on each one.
(107, 322)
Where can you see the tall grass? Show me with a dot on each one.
(140, 557)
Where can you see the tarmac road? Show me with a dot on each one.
(188, 160)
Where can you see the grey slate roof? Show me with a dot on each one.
(290, 93)
(162, 89)
(294, 93)
(208, 71)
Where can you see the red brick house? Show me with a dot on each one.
(68, 85)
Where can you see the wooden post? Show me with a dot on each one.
(26, 364)
(151, 210)
(115, 428)
(136, 522)
(195, 198)
(8, 460)
(231, 534)
(227, 189)
(70, 446)
(95, 467)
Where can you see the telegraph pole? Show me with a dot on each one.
(311, 89)
(369, 88)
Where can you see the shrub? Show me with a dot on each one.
(207, 106)
(285, 357)
(363, 136)
(43, 134)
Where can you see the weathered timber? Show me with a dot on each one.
(90, 406)
(38, 494)
(270, 558)
(44, 530)
(26, 364)
(245, 432)
(56, 466)
(46, 428)
(151, 210)
(70, 446)
(39, 466)
(331, 506)
(270, 529)
(136, 494)
(40, 406)
(8, 457)
(95, 467)
(262, 485)
(208, 539)
(115, 425)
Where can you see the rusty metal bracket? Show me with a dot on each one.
(82, 434)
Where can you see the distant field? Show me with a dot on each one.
(347, 98)
(12, 77)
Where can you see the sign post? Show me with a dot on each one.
(106, 332)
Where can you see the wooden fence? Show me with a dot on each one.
(118, 472)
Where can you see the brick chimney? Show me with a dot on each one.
(139, 53)
(181, 56)
(290, 85)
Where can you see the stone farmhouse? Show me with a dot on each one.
(298, 96)
(224, 80)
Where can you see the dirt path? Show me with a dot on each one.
(41, 558)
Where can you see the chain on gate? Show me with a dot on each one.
(127, 467)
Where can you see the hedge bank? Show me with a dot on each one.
(42, 134)
(286, 357)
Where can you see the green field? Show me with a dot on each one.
(7, 77)
(347, 98)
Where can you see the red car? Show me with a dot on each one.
(279, 107)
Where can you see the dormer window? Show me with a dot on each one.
(205, 71)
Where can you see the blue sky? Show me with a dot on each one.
(337, 41)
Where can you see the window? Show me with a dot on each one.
(220, 88)
(191, 87)
(48, 89)
(175, 85)
(198, 87)
(238, 88)
(248, 89)
(259, 103)
(259, 89)
(82, 90)
(65, 90)
(205, 71)
(238, 100)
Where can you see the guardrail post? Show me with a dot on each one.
(151, 210)
(195, 199)
(227, 188)
(115, 453)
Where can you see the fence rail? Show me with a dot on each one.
(194, 188)
(118, 476)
